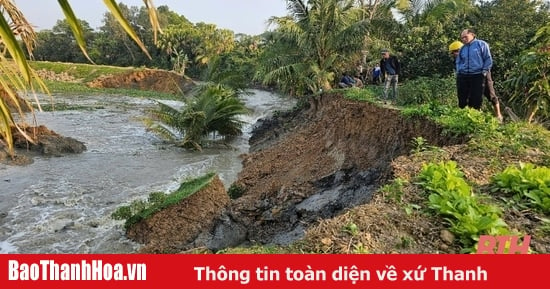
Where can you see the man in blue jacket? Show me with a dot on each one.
(473, 62)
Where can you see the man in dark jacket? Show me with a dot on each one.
(391, 68)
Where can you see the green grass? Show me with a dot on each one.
(140, 210)
(70, 88)
(84, 73)
(80, 71)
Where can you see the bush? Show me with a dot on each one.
(428, 90)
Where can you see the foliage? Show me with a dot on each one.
(466, 121)
(140, 210)
(484, 132)
(198, 43)
(316, 41)
(518, 22)
(59, 43)
(233, 69)
(83, 73)
(513, 139)
(368, 93)
(436, 90)
(420, 144)
(529, 84)
(394, 190)
(235, 191)
(527, 184)
(454, 121)
(431, 110)
(80, 71)
(212, 108)
(452, 197)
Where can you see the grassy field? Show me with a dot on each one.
(81, 73)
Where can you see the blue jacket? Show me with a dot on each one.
(474, 58)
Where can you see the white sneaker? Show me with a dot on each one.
(500, 119)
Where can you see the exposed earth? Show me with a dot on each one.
(311, 183)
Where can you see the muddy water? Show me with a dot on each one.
(63, 204)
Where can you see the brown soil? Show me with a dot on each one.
(24, 106)
(165, 231)
(350, 149)
(39, 140)
(147, 79)
(339, 145)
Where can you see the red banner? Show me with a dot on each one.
(271, 271)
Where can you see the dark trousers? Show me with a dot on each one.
(470, 90)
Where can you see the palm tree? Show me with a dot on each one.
(18, 76)
(211, 108)
(318, 39)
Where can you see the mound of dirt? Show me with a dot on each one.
(146, 79)
(45, 142)
(169, 230)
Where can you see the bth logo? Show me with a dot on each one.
(503, 245)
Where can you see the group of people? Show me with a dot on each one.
(361, 78)
(348, 81)
(387, 70)
(473, 63)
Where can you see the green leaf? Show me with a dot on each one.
(75, 26)
(113, 7)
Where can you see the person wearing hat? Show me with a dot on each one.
(390, 68)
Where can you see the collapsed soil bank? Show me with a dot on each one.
(311, 164)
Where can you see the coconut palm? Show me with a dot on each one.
(18, 76)
(211, 108)
(318, 39)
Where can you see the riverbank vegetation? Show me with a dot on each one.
(142, 209)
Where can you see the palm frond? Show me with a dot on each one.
(117, 13)
(75, 26)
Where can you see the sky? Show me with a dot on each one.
(241, 16)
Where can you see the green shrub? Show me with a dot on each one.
(235, 191)
(422, 90)
(452, 197)
(527, 184)
(369, 93)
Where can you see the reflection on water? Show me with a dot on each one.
(63, 204)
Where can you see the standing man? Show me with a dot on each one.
(390, 68)
(489, 89)
(473, 63)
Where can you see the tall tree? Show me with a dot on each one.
(517, 22)
(198, 43)
(59, 43)
(317, 40)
